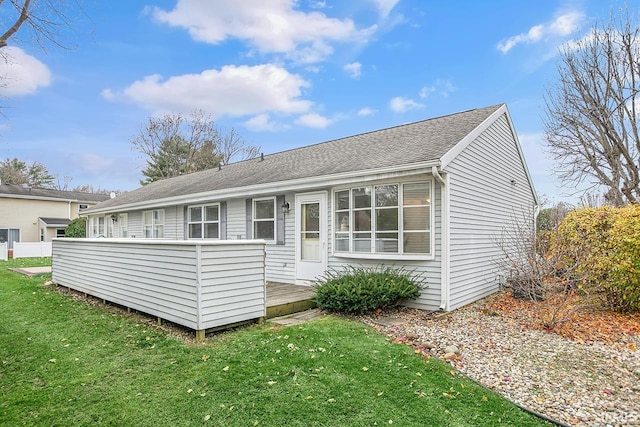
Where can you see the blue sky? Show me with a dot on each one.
(283, 73)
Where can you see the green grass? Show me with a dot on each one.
(65, 362)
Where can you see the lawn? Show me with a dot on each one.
(65, 362)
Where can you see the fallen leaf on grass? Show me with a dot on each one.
(225, 369)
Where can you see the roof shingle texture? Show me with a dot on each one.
(18, 190)
(422, 141)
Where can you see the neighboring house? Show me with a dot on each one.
(432, 196)
(38, 214)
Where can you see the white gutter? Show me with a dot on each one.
(271, 187)
(444, 231)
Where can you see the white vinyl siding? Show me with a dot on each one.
(199, 285)
(236, 219)
(153, 224)
(482, 202)
(281, 258)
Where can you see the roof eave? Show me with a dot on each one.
(280, 186)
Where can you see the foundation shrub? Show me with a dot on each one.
(357, 289)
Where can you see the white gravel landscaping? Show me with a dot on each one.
(593, 384)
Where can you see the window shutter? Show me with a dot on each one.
(249, 209)
(279, 220)
(223, 220)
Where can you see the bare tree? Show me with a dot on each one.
(232, 148)
(42, 21)
(591, 112)
(174, 145)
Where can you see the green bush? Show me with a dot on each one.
(357, 290)
(76, 228)
(605, 252)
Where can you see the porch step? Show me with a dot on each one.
(297, 318)
(283, 299)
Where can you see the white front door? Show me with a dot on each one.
(311, 236)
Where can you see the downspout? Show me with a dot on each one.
(444, 240)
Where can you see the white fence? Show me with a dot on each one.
(31, 249)
(4, 251)
(197, 284)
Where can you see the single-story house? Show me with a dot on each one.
(39, 214)
(431, 196)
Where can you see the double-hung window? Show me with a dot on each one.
(383, 219)
(122, 224)
(153, 224)
(97, 226)
(204, 222)
(264, 218)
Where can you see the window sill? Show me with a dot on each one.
(382, 256)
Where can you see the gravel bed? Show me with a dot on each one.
(592, 384)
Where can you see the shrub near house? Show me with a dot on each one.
(609, 260)
(77, 228)
(358, 290)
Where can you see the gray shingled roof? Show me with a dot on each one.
(423, 141)
(55, 221)
(8, 190)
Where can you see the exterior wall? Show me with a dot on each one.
(236, 219)
(134, 224)
(199, 285)
(23, 214)
(429, 269)
(281, 259)
(482, 203)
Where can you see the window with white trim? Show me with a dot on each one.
(9, 235)
(153, 224)
(204, 221)
(264, 218)
(123, 220)
(383, 219)
(96, 226)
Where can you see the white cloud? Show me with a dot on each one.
(400, 104)
(354, 69)
(317, 4)
(20, 73)
(366, 111)
(261, 123)
(385, 6)
(439, 87)
(563, 25)
(232, 90)
(426, 91)
(270, 26)
(313, 120)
